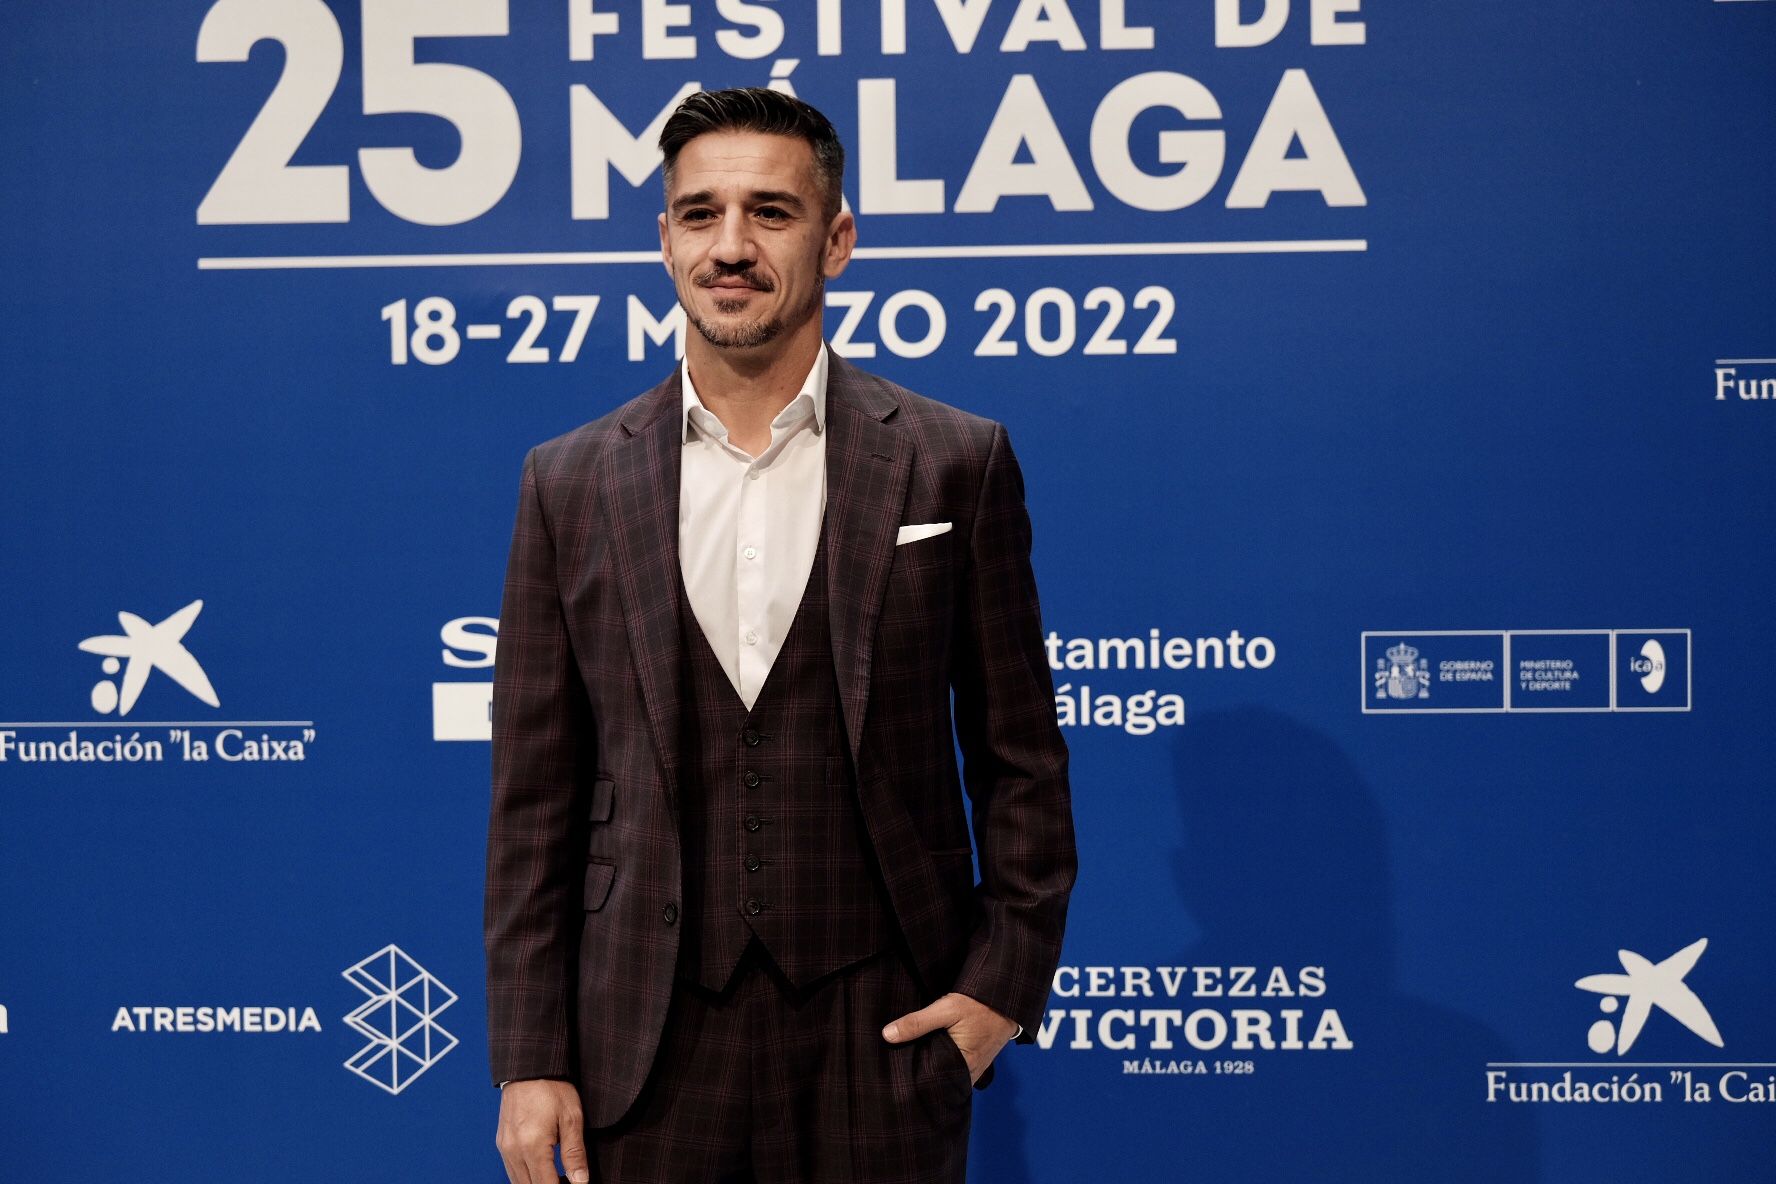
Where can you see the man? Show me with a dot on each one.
(733, 931)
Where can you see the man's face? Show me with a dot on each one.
(744, 238)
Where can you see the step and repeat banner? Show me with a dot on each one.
(1395, 390)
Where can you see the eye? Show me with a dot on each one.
(696, 215)
(773, 214)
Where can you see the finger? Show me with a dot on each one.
(516, 1172)
(506, 1140)
(541, 1163)
(913, 1024)
(573, 1151)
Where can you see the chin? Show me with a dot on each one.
(738, 335)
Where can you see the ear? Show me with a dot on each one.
(841, 240)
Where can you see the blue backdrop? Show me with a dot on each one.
(1412, 366)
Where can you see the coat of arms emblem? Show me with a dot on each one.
(1402, 674)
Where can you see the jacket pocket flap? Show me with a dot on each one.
(602, 790)
(598, 884)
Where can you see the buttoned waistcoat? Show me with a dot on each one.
(585, 871)
(773, 844)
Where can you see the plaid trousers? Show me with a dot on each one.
(762, 1082)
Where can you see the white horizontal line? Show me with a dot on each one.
(168, 723)
(975, 251)
(1631, 1064)
(1745, 361)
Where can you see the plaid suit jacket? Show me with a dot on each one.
(583, 858)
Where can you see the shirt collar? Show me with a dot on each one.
(813, 391)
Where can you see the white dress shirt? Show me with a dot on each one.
(748, 527)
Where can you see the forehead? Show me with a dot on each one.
(743, 161)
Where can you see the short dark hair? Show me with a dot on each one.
(758, 109)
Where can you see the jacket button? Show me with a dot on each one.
(753, 906)
(670, 912)
(751, 779)
(752, 863)
(752, 822)
(751, 736)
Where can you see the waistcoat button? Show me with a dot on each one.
(753, 906)
(670, 912)
(751, 779)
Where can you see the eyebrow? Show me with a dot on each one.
(780, 197)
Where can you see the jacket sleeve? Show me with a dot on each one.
(542, 758)
(1014, 759)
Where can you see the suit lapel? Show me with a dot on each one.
(641, 512)
(868, 461)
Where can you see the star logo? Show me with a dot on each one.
(148, 648)
(1648, 985)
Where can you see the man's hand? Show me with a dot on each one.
(536, 1116)
(978, 1030)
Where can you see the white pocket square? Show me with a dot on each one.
(923, 530)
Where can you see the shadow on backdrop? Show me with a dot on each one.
(1284, 862)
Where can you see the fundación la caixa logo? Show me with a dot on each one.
(1643, 994)
(150, 662)
(1456, 671)
(398, 1018)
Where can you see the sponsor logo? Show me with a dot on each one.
(464, 710)
(1653, 670)
(1140, 712)
(1647, 985)
(399, 1019)
(149, 648)
(1631, 1002)
(129, 662)
(1166, 1017)
(1526, 670)
(186, 1018)
(1402, 674)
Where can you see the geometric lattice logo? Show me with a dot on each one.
(399, 1019)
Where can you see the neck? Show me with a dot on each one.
(745, 389)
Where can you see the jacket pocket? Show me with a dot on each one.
(598, 884)
(603, 790)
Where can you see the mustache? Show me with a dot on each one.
(715, 274)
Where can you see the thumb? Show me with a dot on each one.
(573, 1152)
(912, 1025)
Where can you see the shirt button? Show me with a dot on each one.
(751, 552)
(751, 779)
(752, 863)
(670, 912)
(751, 637)
(752, 474)
(753, 906)
(752, 822)
(751, 736)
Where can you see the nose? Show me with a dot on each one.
(733, 245)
